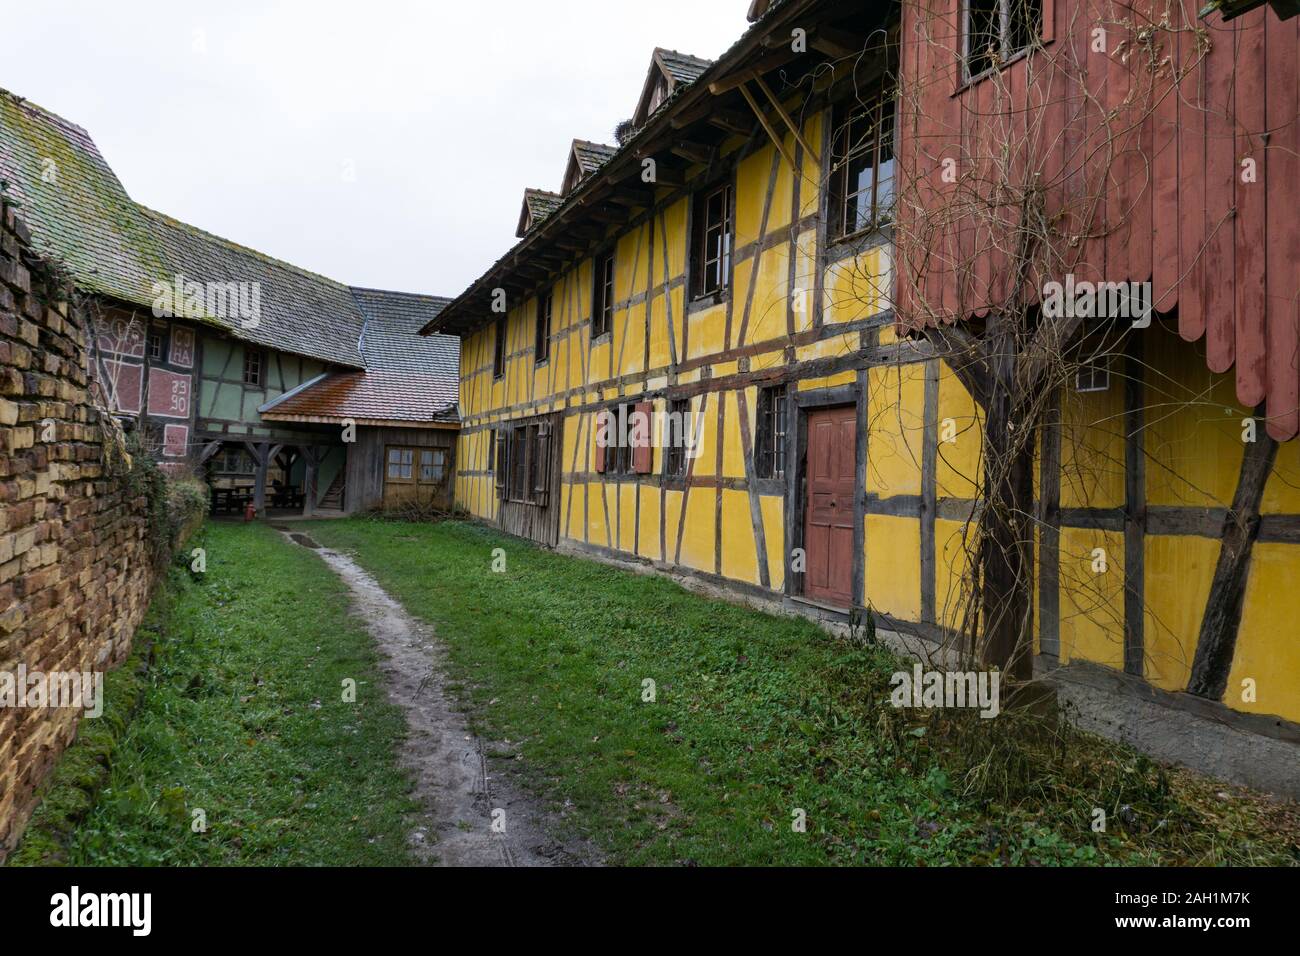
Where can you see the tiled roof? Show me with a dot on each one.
(592, 156)
(538, 204)
(370, 396)
(78, 211)
(408, 378)
(683, 67)
(301, 312)
(391, 341)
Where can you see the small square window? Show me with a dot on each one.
(1093, 375)
(252, 366)
(156, 345)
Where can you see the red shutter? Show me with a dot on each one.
(643, 451)
(602, 417)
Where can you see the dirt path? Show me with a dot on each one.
(461, 800)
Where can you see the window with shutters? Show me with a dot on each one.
(628, 449)
(523, 462)
(769, 449)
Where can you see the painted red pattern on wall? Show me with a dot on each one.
(169, 393)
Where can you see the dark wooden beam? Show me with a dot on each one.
(692, 152)
(1217, 641)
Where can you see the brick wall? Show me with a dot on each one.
(75, 557)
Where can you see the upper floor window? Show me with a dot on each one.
(499, 349)
(602, 306)
(156, 345)
(542, 345)
(769, 453)
(996, 30)
(252, 366)
(711, 244)
(862, 166)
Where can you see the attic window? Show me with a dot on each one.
(657, 95)
(711, 252)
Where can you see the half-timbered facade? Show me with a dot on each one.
(734, 263)
(286, 390)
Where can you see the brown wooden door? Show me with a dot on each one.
(828, 522)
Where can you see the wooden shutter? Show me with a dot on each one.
(643, 451)
(542, 468)
(602, 418)
(500, 453)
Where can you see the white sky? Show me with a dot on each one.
(244, 117)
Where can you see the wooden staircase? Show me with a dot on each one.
(333, 500)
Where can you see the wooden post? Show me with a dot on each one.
(309, 491)
(1217, 641)
(262, 459)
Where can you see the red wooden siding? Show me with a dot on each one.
(1163, 162)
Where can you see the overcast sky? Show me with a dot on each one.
(381, 143)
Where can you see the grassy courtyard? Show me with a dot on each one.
(233, 707)
(758, 722)
(663, 727)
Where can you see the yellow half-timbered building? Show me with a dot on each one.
(730, 266)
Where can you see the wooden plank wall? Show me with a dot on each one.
(1169, 144)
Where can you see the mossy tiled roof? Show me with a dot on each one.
(81, 215)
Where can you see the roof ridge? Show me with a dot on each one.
(688, 56)
(24, 102)
(411, 295)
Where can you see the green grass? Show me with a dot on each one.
(241, 716)
(757, 716)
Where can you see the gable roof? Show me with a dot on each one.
(538, 204)
(668, 70)
(585, 158)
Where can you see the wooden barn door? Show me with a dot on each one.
(828, 522)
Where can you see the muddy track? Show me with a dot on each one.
(469, 816)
